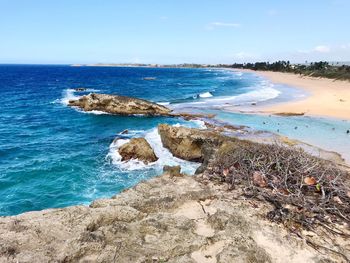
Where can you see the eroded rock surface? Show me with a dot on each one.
(187, 143)
(197, 145)
(116, 104)
(172, 170)
(137, 148)
(165, 219)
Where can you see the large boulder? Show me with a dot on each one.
(187, 143)
(116, 104)
(137, 148)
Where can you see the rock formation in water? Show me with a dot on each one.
(187, 143)
(197, 144)
(137, 148)
(121, 105)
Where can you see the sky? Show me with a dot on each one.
(173, 31)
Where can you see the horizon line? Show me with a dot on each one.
(162, 64)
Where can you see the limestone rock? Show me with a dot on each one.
(164, 219)
(121, 105)
(137, 148)
(172, 170)
(187, 143)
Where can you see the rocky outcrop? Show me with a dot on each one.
(200, 145)
(187, 143)
(172, 170)
(137, 148)
(165, 219)
(116, 104)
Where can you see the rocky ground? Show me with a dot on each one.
(166, 219)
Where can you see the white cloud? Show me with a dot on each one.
(322, 49)
(337, 52)
(213, 25)
(317, 49)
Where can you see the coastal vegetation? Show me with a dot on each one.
(317, 189)
(321, 69)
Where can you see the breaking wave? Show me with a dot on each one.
(205, 95)
(164, 155)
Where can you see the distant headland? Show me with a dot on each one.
(324, 69)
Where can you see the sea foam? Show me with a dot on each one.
(259, 92)
(164, 155)
(205, 95)
(255, 95)
(163, 103)
(68, 94)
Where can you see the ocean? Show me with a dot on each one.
(52, 155)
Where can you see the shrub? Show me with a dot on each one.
(303, 189)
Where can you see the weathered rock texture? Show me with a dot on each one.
(162, 220)
(172, 170)
(115, 104)
(198, 145)
(137, 148)
(187, 143)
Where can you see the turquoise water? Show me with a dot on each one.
(329, 134)
(54, 156)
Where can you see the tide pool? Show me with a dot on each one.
(329, 134)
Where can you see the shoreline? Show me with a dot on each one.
(209, 214)
(327, 97)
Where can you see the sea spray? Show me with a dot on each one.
(68, 94)
(71, 94)
(163, 154)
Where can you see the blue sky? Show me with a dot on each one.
(169, 31)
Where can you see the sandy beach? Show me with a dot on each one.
(328, 97)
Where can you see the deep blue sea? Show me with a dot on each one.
(52, 155)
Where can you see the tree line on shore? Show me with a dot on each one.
(315, 69)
